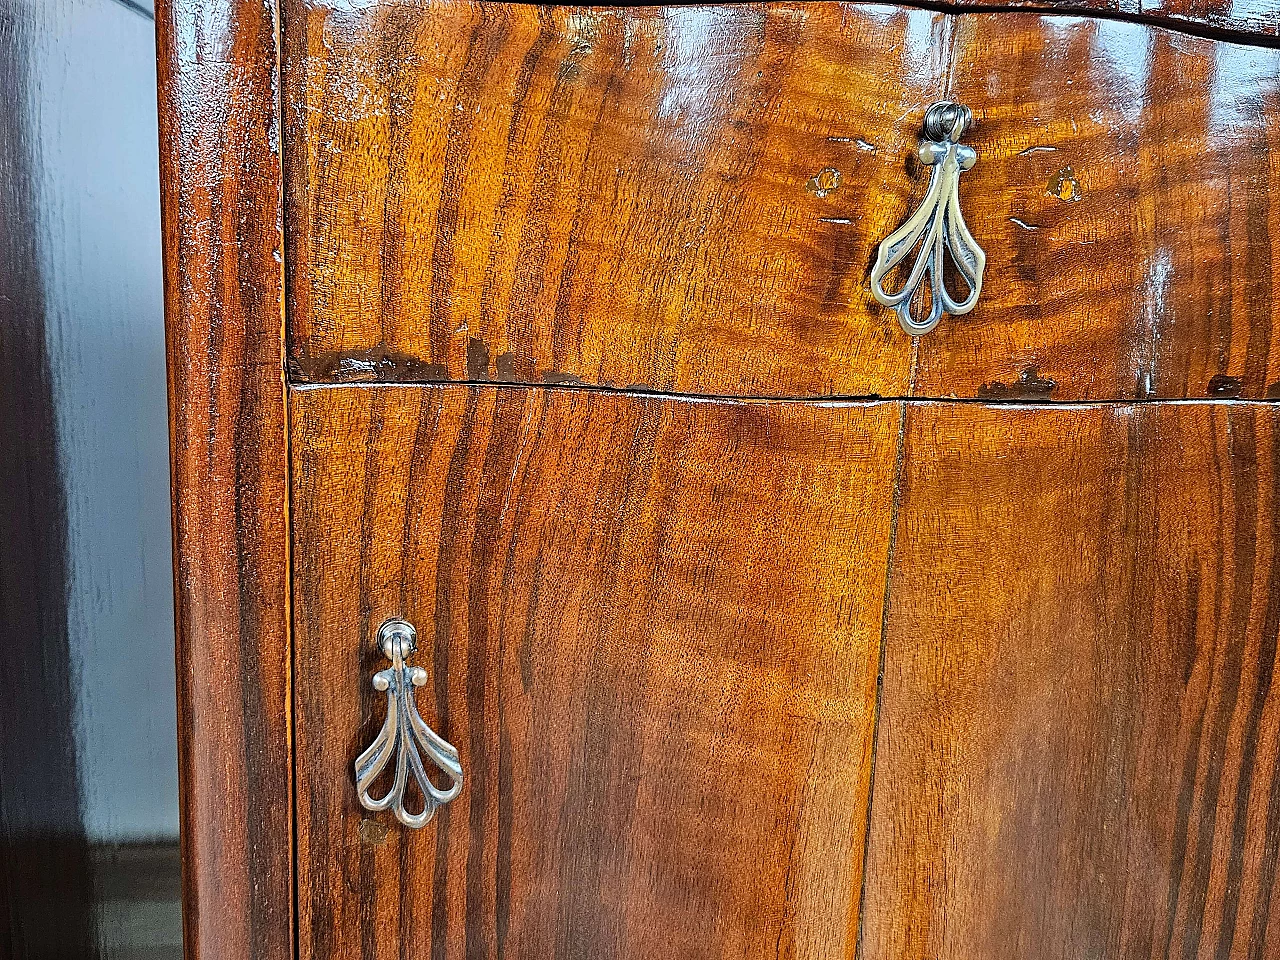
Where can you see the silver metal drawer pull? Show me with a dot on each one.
(403, 735)
(937, 226)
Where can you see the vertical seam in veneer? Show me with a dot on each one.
(953, 25)
(914, 368)
(895, 505)
(290, 646)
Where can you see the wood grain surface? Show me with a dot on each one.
(1254, 21)
(221, 210)
(689, 199)
(681, 198)
(1126, 197)
(653, 625)
(1079, 736)
(665, 722)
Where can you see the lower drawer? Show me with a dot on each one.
(652, 631)
(664, 635)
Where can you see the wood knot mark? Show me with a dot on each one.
(373, 833)
(555, 377)
(823, 182)
(1223, 387)
(477, 359)
(376, 365)
(1064, 186)
(571, 66)
(1029, 386)
(507, 368)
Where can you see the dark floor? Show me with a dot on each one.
(137, 891)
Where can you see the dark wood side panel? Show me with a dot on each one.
(689, 199)
(220, 172)
(652, 628)
(681, 198)
(1079, 735)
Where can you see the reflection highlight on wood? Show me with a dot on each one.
(689, 199)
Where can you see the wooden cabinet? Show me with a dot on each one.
(759, 627)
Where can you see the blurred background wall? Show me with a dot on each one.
(88, 781)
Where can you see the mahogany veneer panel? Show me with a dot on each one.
(622, 196)
(1079, 736)
(1253, 20)
(221, 212)
(1126, 196)
(689, 199)
(652, 628)
(1260, 17)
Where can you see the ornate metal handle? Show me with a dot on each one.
(937, 226)
(403, 734)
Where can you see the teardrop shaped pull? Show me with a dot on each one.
(405, 738)
(936, 229)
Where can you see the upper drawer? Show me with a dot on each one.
(690, 198)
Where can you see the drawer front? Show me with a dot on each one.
(667, 197)
(691, 199)
(651, 629)
(1126, 194)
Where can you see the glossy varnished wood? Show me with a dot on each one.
(1257, 20)
(221, 203)
(1126, 198)
(1079, 735)
(689, 199)
(1253, 21)
(652, 627)
(680, 198)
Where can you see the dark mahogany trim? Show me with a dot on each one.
(221, 200)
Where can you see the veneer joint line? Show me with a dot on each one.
(894, 505)
(815, 399)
